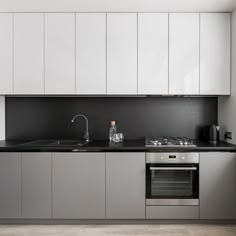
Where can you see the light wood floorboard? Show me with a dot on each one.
(118, 230)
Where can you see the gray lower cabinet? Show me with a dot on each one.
(78, 185)
(125, 185)
(36, 185)
(10, 185)
(217, 185)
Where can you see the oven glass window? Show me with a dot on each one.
(172, 182)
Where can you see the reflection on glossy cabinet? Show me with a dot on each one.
(10, 185)
(153, 53)
(59, 53)
(6, 55)
(91, 53)
(184, 53)
(29, 53)
(122, 53)
(215, 53)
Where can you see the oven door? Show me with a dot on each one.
(172, 184)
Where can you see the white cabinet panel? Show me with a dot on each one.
(91, 53)
(215, 53)
(6, 55)
(60, 53)
(184, 53)
(29, 53)
(122, 53)
(153, 53)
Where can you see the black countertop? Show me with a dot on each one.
(105, 146)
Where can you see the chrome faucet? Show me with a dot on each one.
(86, 134)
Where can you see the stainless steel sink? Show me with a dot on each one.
(56, 143)
(79, 143)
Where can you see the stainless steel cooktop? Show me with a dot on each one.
(169, 142)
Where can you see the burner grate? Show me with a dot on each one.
(169, 141)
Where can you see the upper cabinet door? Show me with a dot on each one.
(91, 53)
(6, 53)
(215, 53)
(122, 53)
(184, 53)
(60, 53)
(153, 53)
(29, 53)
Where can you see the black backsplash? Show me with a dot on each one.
(137, 117)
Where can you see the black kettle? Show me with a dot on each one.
(211, 133)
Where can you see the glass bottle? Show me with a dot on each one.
(112, 130)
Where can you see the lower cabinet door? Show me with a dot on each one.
(172, 212)
(36, 185)
(218, 185)
(125, 185)
(10, 185)
(78, 184)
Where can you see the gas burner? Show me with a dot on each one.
(169, 142)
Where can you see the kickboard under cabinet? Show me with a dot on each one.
(172, 212)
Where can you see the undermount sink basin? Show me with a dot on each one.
(53, 143)
(79, 143)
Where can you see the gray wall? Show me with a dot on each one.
(227, 105)
(137, 117)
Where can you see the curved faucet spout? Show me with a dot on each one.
(86, 135)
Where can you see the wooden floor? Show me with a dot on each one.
(118, 230)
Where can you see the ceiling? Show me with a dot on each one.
(119, 5)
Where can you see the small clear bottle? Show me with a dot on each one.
(112, 130)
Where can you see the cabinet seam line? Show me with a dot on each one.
(199, 54)
(51, 189)
(44, 54)
(13, 53)
(106, 53)
(76, 92)
(168, 53)
(21, 185)
(137, 57)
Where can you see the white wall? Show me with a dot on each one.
(2, 118)
(117, 5)
(227, 105)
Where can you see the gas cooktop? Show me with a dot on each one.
(169, 142)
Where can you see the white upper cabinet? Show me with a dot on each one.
(153, 53)
(60, 53)
(29, 53)
(184, 53)
(122, 53)
(215, 53)
(6, 53)
(91, 53)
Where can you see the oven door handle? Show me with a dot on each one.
(173, 168)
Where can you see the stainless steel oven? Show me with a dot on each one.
(172, 179)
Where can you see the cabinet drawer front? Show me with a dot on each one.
(172, 212)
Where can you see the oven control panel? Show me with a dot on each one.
(172, 157)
